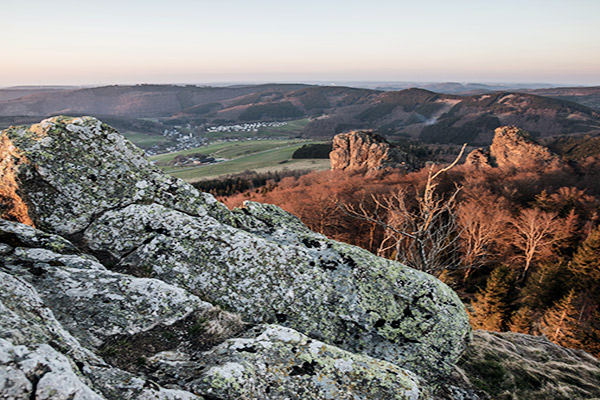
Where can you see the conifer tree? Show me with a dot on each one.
(560, 323)
(546, 285)
(492, 307)
(522, 320)
(586, 261)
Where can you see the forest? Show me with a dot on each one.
(521, 246)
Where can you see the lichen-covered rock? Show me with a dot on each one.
(30, 368)
(364, 150)
(80, 178)
(273, 362)
(95, 304)
(334, 292)
(70, 170)
(40, 373)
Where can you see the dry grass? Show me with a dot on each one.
(517, 366)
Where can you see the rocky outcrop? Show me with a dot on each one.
(70, 328)
(512, 148)
(364, 150)
(133, 264)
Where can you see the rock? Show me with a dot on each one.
(272, 362)
(480, 158)
(80, 179)
(332, 291)
(513, 365)
(513, 148)
(97, 306)
(70, 170)
(40, 359)
(364, 150)
(40, 373)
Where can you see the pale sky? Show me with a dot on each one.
(52, 42)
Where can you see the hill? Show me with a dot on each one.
(587, 96)
(433, 117)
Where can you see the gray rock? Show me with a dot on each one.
(97, 305)
(273, 362)
(80, 178)
(39, 373)
(27, 325)
(280, 273)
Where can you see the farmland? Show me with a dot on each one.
(255, 155)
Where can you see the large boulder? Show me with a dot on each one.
(79, 178)
(364, 150)
(68, 326)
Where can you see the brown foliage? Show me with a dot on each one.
(528, 220)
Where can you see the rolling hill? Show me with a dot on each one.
(418, 113)
(587, 96)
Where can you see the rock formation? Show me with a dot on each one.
(120, 292)
(512, 148)
(364, 150)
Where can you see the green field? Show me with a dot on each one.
(264, 155)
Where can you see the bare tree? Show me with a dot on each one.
(482, 222)
(534, 233)
(421, 232)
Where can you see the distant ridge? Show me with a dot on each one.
(419, 113)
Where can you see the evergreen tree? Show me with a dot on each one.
(586, 261)
(560, 323)
(592, 335)
(522, 320)
(492, 307)
(546, 285)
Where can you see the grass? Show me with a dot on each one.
(260, 156)
(229, 149)
(515, 366)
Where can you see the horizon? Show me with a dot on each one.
(355, 84)
(97, 44)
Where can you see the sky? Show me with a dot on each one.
(89, 42)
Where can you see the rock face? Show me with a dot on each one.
(512, 148)
(133, 262)
(364, 150)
